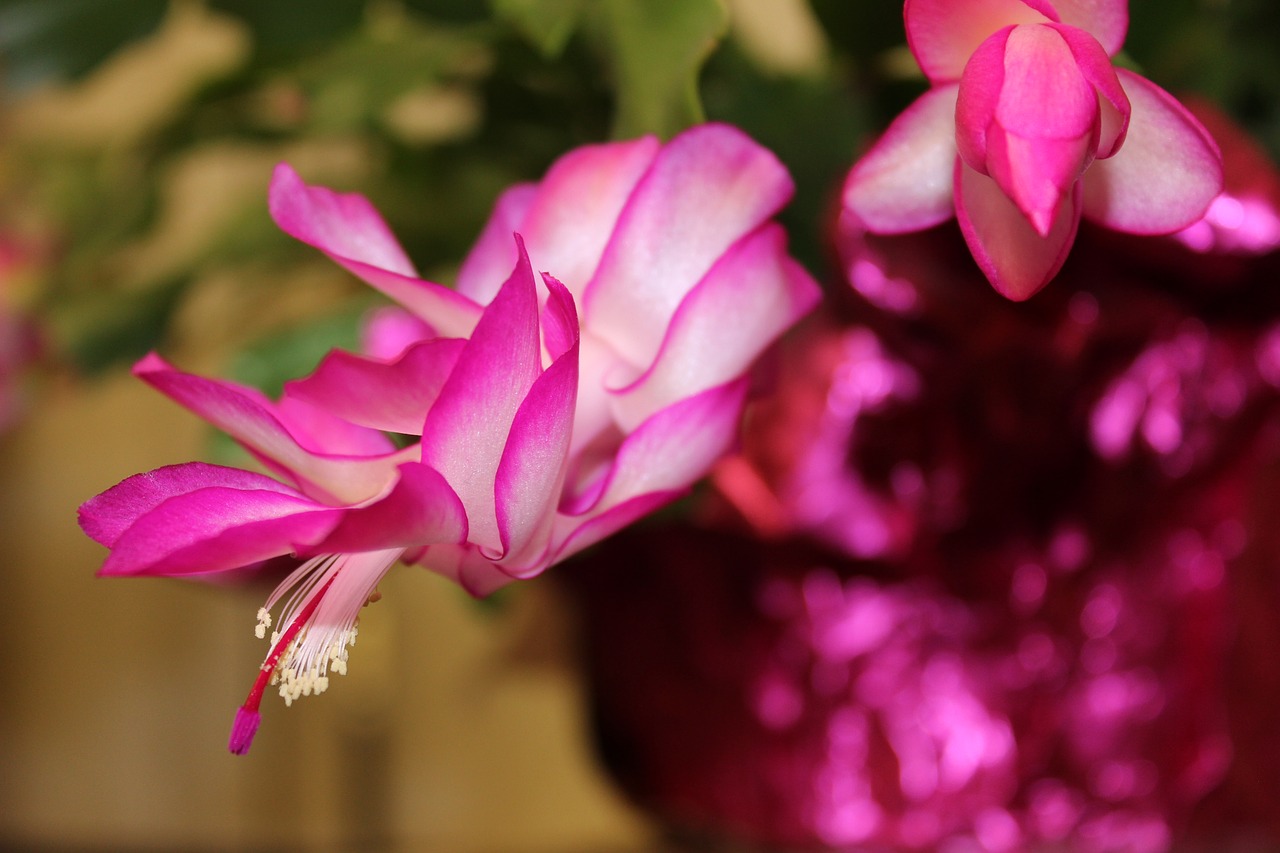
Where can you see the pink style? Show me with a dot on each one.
(544, 412)
(1027, 127)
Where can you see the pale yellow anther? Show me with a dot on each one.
(264, 622)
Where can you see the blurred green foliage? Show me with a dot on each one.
(530, 79)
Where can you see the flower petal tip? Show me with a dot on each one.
(242, 731)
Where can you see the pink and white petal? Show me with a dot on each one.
(594, 416)
(341, 224)
(1166, 174)
(531, 475)
(752, 294)
(463, 565)
(1105, 20)
(1016, 260)
(348, 229)
(447, 311)
(250, 418)
(481, 577)
(466, 430)
(669, 451)
(904, 183)
(217, 529)
(420, 509)
(106, 516)
(1096, 68)
(706, 188)
(578, 205)
(491, 258)
(393, 396)
(943, 34)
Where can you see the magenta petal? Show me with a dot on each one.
(342, 224)
(1045, 126)
(391, 396)
(216, 529)
(349, 230)
(490, 260)
(1016, 260)
(707, 188)
(531, 474)
(753, 294)
(669, 451)
(1105, 20)
(106, 516)
(1096, 68)
(390, 330)
(943, 34)
(1043, 94)
(1165, 175)
(1037, 174)
(421, 508)
(466, 430)
(560, 327)
(977, 100)
(904, 183)
(316, 427)
(253, 420)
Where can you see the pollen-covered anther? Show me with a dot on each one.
(264, 622)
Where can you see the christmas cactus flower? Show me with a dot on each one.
(1028, 126)
(544, 412)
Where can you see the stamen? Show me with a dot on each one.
(316, 627)
(247, 718)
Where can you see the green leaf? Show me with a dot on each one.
(546, 24)
(102, 330)
(450, 11)
(271, 362)
(50, 39)
(283, 27)
(657, 48)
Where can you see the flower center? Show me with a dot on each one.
(319, 626)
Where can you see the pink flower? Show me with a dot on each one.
(542, 429)
(1027, 127)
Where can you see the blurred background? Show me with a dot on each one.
(137, 139)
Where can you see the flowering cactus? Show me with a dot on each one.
(1027, 126)
(542, 428)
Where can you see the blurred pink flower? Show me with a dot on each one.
(1243, 219)
(986, 575)
(770, 693)
(542, 429)
(1026, 128)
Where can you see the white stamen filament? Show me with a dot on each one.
(345, 582)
